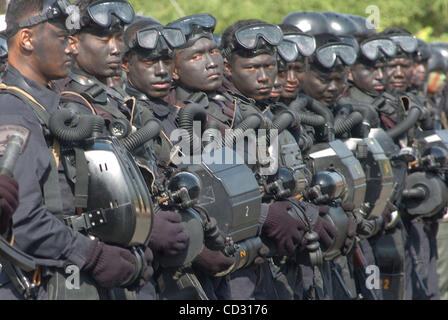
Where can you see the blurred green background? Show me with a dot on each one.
(427, 19)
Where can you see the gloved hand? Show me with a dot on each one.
(147, 272)
(327, 233)
(168, 235)
(9, 201)
(348, 207)
(387, 213)
(282, 228)
(262, 253)
(351, 234)
(109, 266)
(323, 210)
(213, 262)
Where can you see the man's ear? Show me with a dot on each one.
(350, 76)
(227, 69)
(176, 76)
(25, 39)
(125, 63)
(74, 42)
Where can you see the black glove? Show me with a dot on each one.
(109, 266)
(9, 201)
(283, 228)
(348, 207)
(327, 233)
(168, 235)
(147, 272)
(368, 228)
(387, 213)
(323, 210)
(212, 262)
(262, 253)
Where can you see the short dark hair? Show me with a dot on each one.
(20, 10)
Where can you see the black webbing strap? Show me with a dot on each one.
(52, 192)
(82, 179)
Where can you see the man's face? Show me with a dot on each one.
(100, 52)
(369, 78)
(253, 77)
(419, 74)
(199, 67)
(291, 78)
(325, 87)
(279, 82)
(150, 76)
(398, 73)
(52, 51)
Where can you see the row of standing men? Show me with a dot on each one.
(319, 222)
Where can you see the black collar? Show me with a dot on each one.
(44, 95)
(130, 90)
(358, 94)
(88, 80)
(160, 108)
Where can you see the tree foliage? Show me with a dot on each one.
(425, 18)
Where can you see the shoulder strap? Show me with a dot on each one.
(76, 97)
(94, 97)
(40, 111)
(51, 190)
